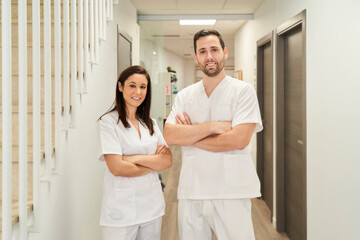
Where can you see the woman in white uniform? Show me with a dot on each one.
(134, 150)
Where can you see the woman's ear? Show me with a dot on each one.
(120, 87)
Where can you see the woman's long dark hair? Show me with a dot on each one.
(143, 111)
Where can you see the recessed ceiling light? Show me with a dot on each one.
(197, 22)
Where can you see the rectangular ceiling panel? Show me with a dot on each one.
(200, 5)
(243, 6)
(144, 5)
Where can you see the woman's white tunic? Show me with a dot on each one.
(129, 200)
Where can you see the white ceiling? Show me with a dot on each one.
(178, 39)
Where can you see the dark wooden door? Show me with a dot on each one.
(291, 213)
(293, 138)
(265, 138)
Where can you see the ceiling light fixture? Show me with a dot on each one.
(197, 22)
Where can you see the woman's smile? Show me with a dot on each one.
(134, 90)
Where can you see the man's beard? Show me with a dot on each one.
(219, 68)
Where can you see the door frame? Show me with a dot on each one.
(260, 93)
(121, 34)
(299, 19)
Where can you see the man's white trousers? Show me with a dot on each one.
(229, 219)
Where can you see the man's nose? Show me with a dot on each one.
(209, 55)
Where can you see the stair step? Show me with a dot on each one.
(15, 94)
(15, 211)
(14, 21)
(15, 129)
(15, 109)
(15, 58)
(15, 31)
(15, 153)
(29, 2)
(15, 179)
(14, 9)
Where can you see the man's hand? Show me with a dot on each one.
(237, 138)
(221, 127)
(217, 127)
(127, 159)
(184, 133)
(183, 120)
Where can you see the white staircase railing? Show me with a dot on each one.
(77, 32)
(58, 85)
(22, 46)
(36, 110)
(86, 45)
(92, 32)
(96, 31)
(80, 88)
(73, 89)
(6, 118)
(66, 71)
(47, 89)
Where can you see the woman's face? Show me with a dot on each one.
(134, 90)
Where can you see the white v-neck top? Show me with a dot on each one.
(129, 200)
(218, 175)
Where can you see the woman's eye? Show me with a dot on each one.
(132, 86)
(214, 50)
(143, 87)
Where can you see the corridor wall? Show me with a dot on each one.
(70, 203)
(333, 81)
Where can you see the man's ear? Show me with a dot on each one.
(196, 60)
(226, 54)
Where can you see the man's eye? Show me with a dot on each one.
(132, 86)
(214, 50)
(202, 52)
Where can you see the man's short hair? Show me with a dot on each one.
(207, 32)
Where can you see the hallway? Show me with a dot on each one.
(59, 65)
(261, 214)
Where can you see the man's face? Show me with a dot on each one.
(210, 56)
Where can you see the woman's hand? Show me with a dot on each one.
(160, 160)
(161, 149)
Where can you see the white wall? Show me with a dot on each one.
(156, 59)
(333, 83)
(178, 64)
(189, 75)
(70, 204)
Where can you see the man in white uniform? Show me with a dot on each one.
(214, 120)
